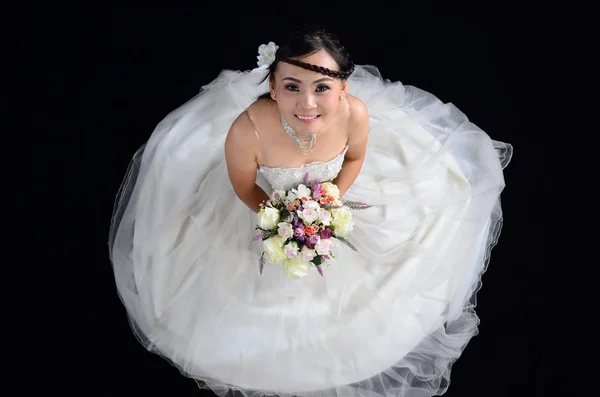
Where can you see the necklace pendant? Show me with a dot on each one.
(304, 145)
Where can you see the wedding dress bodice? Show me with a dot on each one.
(281, 178)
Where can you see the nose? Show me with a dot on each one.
(306, 100)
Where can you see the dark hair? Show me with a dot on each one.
(306, 40)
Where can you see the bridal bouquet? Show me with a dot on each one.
(301, 226)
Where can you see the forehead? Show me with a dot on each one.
(319, 58)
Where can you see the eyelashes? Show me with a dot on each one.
(295, 88)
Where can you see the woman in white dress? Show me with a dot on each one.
(388, 320)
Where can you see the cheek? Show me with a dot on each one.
(329, 102)
(286, 102)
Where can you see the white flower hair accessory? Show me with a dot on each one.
(266, 54)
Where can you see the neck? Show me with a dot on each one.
(304, 144)
(288, 128)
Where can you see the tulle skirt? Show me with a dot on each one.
(389, 320)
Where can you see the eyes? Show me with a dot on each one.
(295, 88)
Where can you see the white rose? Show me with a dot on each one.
(308, 215)
(285, 230)
(296, 268)
(323, 247)
(266, 53)
(291, 250)
(342, 221)
(268, 218)
(332, 190)
(273, 247)
(324, 216)
(307, 254)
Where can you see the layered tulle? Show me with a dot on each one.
(387, 321)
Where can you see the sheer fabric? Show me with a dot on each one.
(387, 321)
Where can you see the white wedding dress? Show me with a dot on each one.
(389, 320)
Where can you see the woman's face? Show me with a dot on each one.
(308, 100)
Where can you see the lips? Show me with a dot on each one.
(307, 118)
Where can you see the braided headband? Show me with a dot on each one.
(319, 69)
(267, 53)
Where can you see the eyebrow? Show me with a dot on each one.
(314, 82)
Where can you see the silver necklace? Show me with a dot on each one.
(304, 145)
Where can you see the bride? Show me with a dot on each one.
(324, 121)
(388, 320)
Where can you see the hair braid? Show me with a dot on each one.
(307, 40)
(320, 69)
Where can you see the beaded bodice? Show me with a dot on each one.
(281, 178)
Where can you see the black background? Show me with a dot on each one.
(104, 77)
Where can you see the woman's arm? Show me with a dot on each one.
(357, 141)
(241, 150)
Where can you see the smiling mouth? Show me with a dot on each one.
(307, 119)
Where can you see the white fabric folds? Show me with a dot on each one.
(389, 320)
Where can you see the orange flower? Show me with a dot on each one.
(323, 200)
(308, 230)
(291, 207)
(330, 199)
(303, 199)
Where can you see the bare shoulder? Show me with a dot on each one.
(358, 128)
(242, 155)
(359, 114)
(241, 142)
(241, 131)
(262, 110)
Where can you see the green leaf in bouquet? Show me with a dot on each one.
(267, 234)
(317, 260)
(286, 215)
